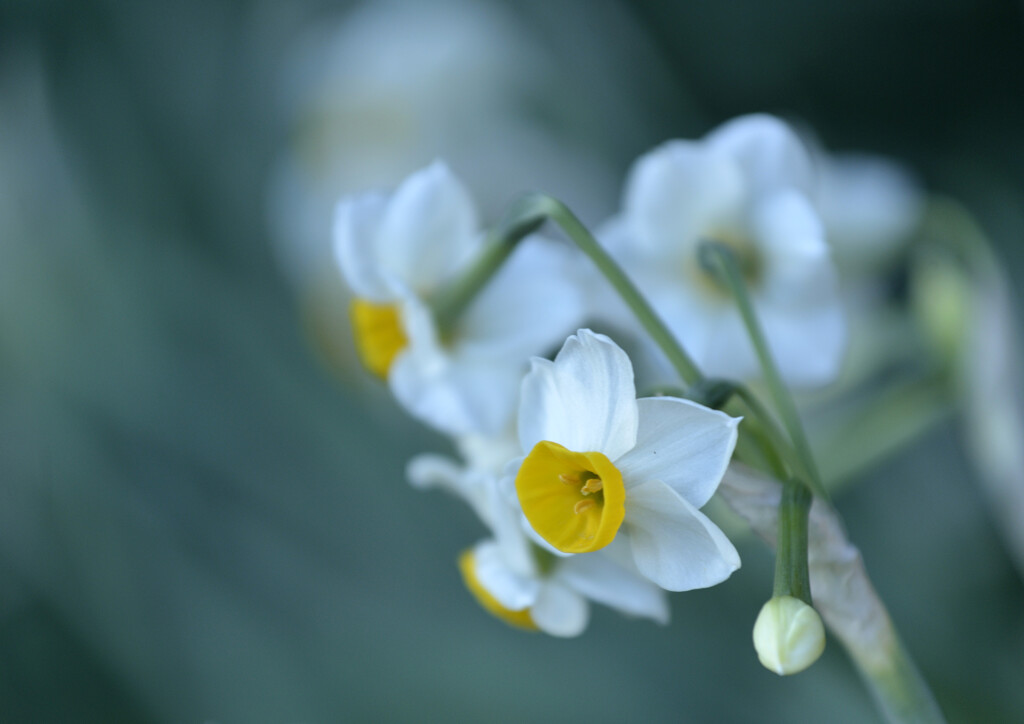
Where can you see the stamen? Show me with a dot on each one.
(583, 506)
(594, 485)
(569, 479)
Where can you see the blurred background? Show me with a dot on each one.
(203, 510)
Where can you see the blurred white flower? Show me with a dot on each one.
(748, 185)
(869, 204)
(396, 252)
(599, 463)
(516, 580)
(393, 85)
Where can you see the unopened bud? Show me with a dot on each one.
(941, 298)
(788, 635)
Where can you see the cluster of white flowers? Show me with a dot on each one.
(588, 493)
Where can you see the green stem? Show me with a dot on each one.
(645, 314)
(500, 243)
(791, 575)
(522, 218)
(719, 259)
(774, 435)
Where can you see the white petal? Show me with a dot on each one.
(585, 400)
(771, 154)
(791, 238)
(513, 591)
(808, 344)
(504, 518)
(454, 394)
(674, 544)
(528, 308)
(357, 221)
(683, 444)
(560, 611)
(490, 453)
(429, 230)
(429, 470)
(721, 345)
(601, 579)
(869, 204)
(678, 191)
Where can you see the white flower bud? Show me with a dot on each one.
(788, 635)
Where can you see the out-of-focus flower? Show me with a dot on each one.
(392, 85)
(870, 206)
(788, 635)
(747, 185)
(396, 253)
(602, 466)
(512, 578)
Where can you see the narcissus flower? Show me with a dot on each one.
(747, 185)
(513, 578)
(398, 253)
(603, 467)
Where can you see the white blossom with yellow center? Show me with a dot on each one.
(397, 252)
(604, 470)
(512, 578)
(747, 185)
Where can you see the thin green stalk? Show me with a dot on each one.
(645, 314)
(500, 243)
(522, 218)
(719, 259)
(791, 575)
(777, 439)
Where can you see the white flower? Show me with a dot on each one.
(869, 205)
(746, 185)
(388, 85)
(397, 252)
(514, 579)
(602, 466)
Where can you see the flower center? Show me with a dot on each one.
(748, 257)
(575, 501)
(379, 334)
(467, 566)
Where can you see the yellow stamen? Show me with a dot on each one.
(583, 506)
(572, 519)
(519, 619)
(379, 334)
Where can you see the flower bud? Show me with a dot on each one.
(788, 635)
(941, 300)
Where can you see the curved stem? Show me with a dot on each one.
(719, 259)
(645, 314)
(524, 217)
